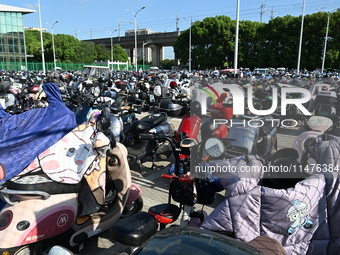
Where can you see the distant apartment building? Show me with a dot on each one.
(36, 28)
(12, 39)
(144, 52)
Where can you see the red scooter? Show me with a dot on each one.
(194, 128)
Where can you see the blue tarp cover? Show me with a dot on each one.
(24, 136)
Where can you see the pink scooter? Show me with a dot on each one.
(62, 198)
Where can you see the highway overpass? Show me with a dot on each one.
(153, 44)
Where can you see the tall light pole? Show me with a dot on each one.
(123, 21)
(53, 49)
(41, 41)
(301, 34)
(326, 39)
(144, 43)
(325, 47)
(190, 45)
(112, 44)
(135, 51)
(236, 36)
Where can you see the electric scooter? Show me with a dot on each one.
(75, 189)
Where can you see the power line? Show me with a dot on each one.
(158, 22)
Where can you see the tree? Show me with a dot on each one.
(211, 44)
(272, 44)
(248, 43)
(102, 53)
(86, 52)
(167, 63)
(66, 47)
(33, 46)
(119, 54)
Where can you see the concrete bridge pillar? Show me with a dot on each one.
(156, 54)
(131, 55)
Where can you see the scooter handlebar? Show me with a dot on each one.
(177, 178)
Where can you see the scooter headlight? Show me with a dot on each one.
(214, 147)
(5, 219)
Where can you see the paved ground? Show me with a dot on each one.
(155, 191)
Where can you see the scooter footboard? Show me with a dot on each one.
(33, 220)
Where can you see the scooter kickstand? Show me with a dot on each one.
(140, 166)
(153, 161)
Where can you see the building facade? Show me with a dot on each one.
(12, 38)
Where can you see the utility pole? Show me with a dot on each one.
(272, 13)
(177, 19)
(262, 10)
(76, 31)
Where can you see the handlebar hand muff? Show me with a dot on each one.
(182, 192)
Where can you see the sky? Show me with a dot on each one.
(91, 19)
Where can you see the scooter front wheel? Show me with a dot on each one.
(133, 208)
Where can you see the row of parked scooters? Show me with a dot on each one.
(74, 184)
(107, 138)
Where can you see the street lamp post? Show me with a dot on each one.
(326, 39)
(112, 44)
(135, 51)
(190, 45)
(41, 41)
(236, 37)
(325, 47)
(53, 49)
(144, 43)
(301, 34)
(126, 22)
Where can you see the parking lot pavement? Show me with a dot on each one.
(155, 191)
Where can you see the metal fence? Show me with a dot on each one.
(38, 66)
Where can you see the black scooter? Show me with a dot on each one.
(140, 148)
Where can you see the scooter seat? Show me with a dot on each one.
(134, 230)
(140, 150)
(165, 213)
(148, 122)
(40, 182)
